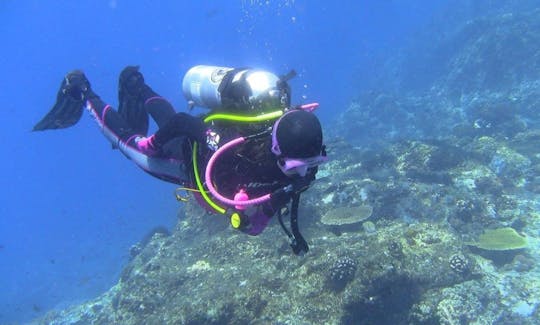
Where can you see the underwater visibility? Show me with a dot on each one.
(272, 162)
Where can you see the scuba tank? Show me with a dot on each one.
(201, 83)
(235, 90)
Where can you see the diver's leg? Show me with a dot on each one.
(133, 145)
(75, 93)
(137, 100)
(182, 125)
(113, 126)
(159, 108)
(179, 125)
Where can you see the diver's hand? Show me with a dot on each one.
(281, 197)
(299, 246)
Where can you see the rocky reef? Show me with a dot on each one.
(226, 278)
(413, 266)
(476, 76)
(447, 173)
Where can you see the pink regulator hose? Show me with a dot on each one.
(212, 189)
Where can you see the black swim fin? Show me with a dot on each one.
(131, 94)
(69, 106)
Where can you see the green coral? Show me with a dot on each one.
(500, 239)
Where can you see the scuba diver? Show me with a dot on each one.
(247, 159)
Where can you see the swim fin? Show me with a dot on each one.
(69, 106)
(131, 96)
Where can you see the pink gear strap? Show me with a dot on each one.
(309, 107)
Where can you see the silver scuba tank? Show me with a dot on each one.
(201, 84)
(252, 87)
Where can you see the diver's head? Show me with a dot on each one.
(297, 141)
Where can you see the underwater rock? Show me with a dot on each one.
(231, 278)
(375, 160)
(510, 165)
(387, 301)
(136, 249)
(526, 142)
(488, 52)
(395, 249)
(522, 263)
(489, 185)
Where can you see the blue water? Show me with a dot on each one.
(71, 207)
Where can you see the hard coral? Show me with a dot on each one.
(342, 272)
(459, 263)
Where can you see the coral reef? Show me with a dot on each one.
(172, 281)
